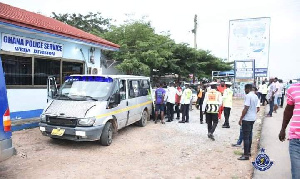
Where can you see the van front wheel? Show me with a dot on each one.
(143, 121)
(107, 134)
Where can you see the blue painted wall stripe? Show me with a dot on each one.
(25, 114)
(24, 126)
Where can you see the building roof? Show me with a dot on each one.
(23, 18)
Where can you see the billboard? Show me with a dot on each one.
(250, 39)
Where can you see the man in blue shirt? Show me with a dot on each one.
(159, 103)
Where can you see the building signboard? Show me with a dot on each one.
(14, 43)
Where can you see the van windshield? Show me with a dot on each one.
(86, 88)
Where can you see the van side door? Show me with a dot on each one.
(123, 116)
(133, 103)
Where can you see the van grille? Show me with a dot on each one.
(61, 121)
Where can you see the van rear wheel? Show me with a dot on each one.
(143, 121)
(107, 134)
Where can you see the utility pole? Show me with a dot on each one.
(194, 31)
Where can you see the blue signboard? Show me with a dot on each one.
(261, 72)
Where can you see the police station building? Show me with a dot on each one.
(34, 47)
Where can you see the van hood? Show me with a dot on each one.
(65, 108)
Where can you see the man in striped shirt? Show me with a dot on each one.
(292, 115)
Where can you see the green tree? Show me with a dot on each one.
(92, 23)
(142, 50)
(197, 62)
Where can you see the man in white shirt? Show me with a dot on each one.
(171, 92)
(271, 96)
(277, 94)
(282, 93)
(248, 118)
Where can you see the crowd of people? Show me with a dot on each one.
(212, 100)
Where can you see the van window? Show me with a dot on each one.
(145, 88)
(123, 89)
(134, 88)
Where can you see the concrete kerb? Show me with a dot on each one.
(258, 137)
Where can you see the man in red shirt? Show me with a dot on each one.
(177, 100)
(221, 88)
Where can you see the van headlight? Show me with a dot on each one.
(43, 118)
(86, 121)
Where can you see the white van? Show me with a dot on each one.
(93, 107)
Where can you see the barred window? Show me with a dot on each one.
(70, 68)
(17, 70)
(44, 68)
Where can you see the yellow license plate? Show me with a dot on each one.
(58, 132)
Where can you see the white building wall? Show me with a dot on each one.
(29, 103)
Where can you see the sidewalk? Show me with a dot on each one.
(276, 150)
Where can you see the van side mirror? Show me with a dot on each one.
(52, 89)
(117, 98)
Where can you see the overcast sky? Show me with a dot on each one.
(213, 18)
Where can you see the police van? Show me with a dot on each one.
(94, 107)
(6, 148)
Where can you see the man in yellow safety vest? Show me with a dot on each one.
(185, 103)
(211, 104)
(227, 103)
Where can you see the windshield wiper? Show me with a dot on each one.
(87, 97)
(90, 97)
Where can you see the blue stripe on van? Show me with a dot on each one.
(25, 114)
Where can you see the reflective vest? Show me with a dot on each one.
(212, 104)
(227, 98)
(200, 93)
(186, 96)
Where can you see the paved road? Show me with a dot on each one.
(276, 150)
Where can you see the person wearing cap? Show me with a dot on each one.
(227, 103)
(221, 88)
(211, 104)
(185, 103)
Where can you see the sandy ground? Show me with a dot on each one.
(156, 151)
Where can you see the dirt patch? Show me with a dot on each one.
(172, 150)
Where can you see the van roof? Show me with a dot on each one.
(115, 76)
